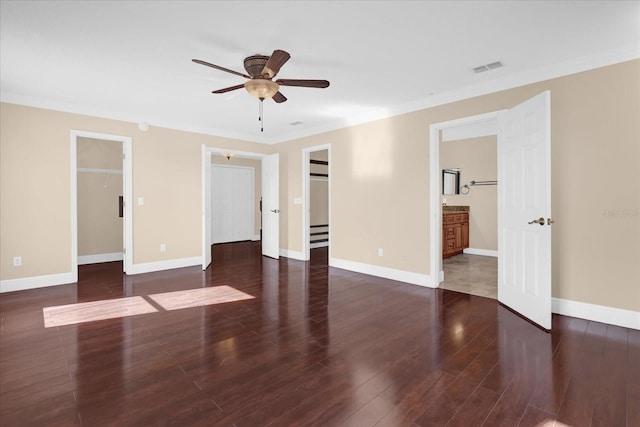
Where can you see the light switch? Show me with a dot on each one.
(140, 201)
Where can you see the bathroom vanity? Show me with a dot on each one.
(455, 230)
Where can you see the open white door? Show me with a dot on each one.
(206, 207)
(524, 209)
(271, 206)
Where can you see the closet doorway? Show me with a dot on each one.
(101, 209)
(316, 228)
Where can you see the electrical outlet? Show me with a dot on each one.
(380, 251)
(163, 247)
(17, 261)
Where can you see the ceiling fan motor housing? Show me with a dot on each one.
(255, 64)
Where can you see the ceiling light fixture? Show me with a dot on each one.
(261, 88)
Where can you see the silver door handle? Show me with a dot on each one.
(537, 221)
(275, 210)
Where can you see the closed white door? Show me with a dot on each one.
(524, 209)
(271, 206)
(232, 204)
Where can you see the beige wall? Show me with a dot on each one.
(380, 184)
(257, 181)
(477, 160)
(99, 226)
(35, 151)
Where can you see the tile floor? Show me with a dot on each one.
(471, 274)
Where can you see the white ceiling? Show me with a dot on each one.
(132, 60)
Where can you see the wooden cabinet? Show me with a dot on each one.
(455, 233)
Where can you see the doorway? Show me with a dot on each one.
(270, 210)
(316, 223)
(470, 213)
(89, 170)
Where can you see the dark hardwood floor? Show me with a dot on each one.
(316, 346)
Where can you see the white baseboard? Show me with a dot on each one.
(94, 259)
(255, 237)
(386, 272)
(36, 282)
(483, 252)
(318, 245)
(149, 267)
(596, 313)
(292, 254)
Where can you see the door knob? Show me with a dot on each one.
(537, 221)
(550, 221)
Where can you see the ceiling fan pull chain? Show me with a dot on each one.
(261, 117)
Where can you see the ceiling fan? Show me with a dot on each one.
(261, 69)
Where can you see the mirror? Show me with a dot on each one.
(450, 181)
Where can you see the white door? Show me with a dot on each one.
(221, 205)
(232, 204)
(206, 211)
(524, 209)
(271, 206)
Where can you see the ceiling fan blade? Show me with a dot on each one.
(199, 61)
(275, 62)
(228, 89)
(279, 97)
(303, 83)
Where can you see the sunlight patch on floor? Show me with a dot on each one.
(72, 314)
(199, 297)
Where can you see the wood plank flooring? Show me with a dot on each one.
(317, 346)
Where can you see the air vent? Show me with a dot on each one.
(296, 123)
(487, 67)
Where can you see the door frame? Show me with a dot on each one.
(435, 213)
(206, 173)
(127, 190)
(306, 193)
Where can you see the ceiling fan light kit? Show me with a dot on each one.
(260, 70)
(261, 88)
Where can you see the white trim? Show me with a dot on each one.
(94, 259)
(318, 245)
(169, 264)
(435, 215)
(207, 233)
(292, 254)
(386, 272)
(306, 199)
(596, 313)
(255, 238)
(482, 252)
(34, 282)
